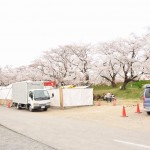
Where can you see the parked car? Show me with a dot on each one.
(146, 99)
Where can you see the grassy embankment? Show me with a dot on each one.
(134, 90)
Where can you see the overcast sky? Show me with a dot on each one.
(28, 27)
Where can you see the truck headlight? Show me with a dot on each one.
(48, 103)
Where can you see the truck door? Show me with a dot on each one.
(30, 97)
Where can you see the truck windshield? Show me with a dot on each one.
(147, 93)
(41, 95)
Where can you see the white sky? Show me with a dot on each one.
(28, 27)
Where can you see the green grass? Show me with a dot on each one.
(133, 91)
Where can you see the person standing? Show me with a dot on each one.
(108, 97)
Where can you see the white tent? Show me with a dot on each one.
(72, 97)
(6, 92)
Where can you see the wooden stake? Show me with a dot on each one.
(61, 97)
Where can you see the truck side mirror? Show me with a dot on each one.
(31, 95)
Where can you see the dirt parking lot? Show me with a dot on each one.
(108, 114)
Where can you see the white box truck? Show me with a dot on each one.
(30, 95)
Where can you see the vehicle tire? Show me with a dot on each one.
(148, 112)
(30, 108)
(45, 109)
(18, 107)
(13, 105)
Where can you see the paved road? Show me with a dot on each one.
(65, 132)
(10, 140)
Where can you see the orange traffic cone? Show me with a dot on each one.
(138, 109)
(98, 104)
(114, 102)
(8, 105)
(124, 112)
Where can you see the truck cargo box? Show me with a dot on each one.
(20, 90)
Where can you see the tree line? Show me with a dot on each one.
(122, 60)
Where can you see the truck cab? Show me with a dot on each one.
(38, 99)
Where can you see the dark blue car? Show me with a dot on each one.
(146, 99)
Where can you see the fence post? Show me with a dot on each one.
(61, 97)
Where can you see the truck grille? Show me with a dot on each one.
(42, 104)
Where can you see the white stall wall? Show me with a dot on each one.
(54, 101)
(72, 97)
(6, 92)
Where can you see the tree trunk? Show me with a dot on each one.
(113, 84)
(123, 87)
(86, 79)
(112, 80)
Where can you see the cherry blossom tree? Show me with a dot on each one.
(82, 61)
(107, 66)
(124, 59)
(7, 75)
(69, 64)
(146, 53)
(131, 58)
(55, 64)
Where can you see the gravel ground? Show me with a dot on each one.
(10, 140)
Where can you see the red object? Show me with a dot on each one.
(124, 112)
(98, 104)
(50, 83)
(8, 104)
(138, 109)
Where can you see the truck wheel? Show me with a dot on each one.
(148, 112)
(45, 109)
(30, 108)
(18, 107)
